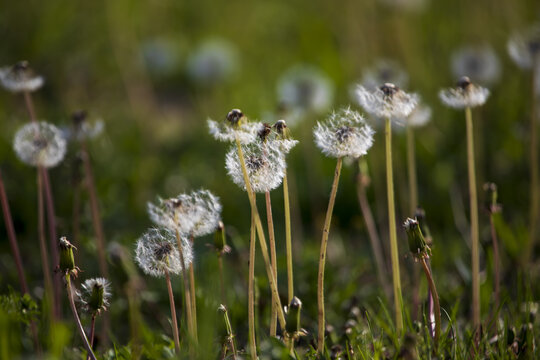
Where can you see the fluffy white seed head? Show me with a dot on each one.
(156, 252)
(20, 78)
(465, 94)
(480, 63)
(344, 134)
(387, 101)
(382, 72)
(524, 47)
(95, 295)
(246, 132)
(265, 165)
(306, 89)
(40, 144)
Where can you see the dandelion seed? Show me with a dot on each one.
(235, 127)
(265, 165)
(40, 144)
(464, 95)
(524, 47)
(480, 63)
(388, 101)
(344, 134)
(95, 295)
(156, 252)
(383, 72)
(306, 89)
(20, 78)
(214, 61)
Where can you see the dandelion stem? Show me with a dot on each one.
(392, 227)
(496, 262)
(221, 280)
(475, 261)
(30, 106)
(12, 237)
(251, 293)
(260, 235)
(77, 319)
(435, 297)
(288, 238)
(173, 312)
(273, 260)
(193, 295)
(411, 170)
(92, 332)
(230, 334)
(187, 295)
(322, 257)
(370, 225)
(534, 166)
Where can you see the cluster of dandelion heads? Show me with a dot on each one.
(236, 126)
(20, 78)
(40, 144)
(306, 89)
(344, 134)
(524, 47)
(95, 295)
(212, 62)
(480, 63)
(382, 72)
(387, 101)
(156, 252)
(277, 134)
(464, 94)
(265, 165)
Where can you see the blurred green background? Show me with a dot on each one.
(134, 64)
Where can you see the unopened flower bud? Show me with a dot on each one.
(67, 260)
(293, 316)
(492, 206)
(281, 128)
(220, 241)
(417, 243)
(234, 116)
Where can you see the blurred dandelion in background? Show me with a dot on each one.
(382, 72)
(524, 47)
(212, 62)
(40, 144)
(465, 94)
(479, 63)
(162, 55)
(20, 78)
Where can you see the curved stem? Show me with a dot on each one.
(322, 256)
(273, 259)
(251, 293)
(435, 297)
(193, 295)
(262, 239)
(392, 227)
(77, 319)
(92, 331)
(475, 261)
(288, 238)
(173, 313)
(411, 171)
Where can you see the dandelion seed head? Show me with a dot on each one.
(20, 78)
(95, 295)
(213, 62)
(478, 62)
(265, 165)
(205, 212)
(344, 134)
(235, 127)
(156, 252)
(387, 101)
(305, 88)
(465, 94)
(170, 214)
(384, 71)
(524, 47)
(40, 144)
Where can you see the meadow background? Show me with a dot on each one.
(130, 63)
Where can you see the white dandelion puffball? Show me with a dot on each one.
(156, 252)
(524, 47)
(305, 88)
(382, 72)
(40, 144)
(387, 101)
(464, 95)
(164, 213)
(206, 212)
(245, 132)
(265, 166)
(344, 134)
(480, 63)
(20, 78)
(95, 295)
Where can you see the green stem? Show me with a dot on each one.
(260, 235)
(273, 259)
(173, 312)
(187, 296)
(77, 319)
(322, 256)
(251, 294)
(435, 297)
(534, 169)
(193, 295)
(221, 280)
(411, 170)
(230, 334)
(475, 261)
(288, 238)
(392, 227)
(496, 262)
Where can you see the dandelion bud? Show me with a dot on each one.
(420, 216)
(20, 78)
(492, 206)
(67, 259)
(95, 295)
(234, 116)
(293, 316)
(417, 243)
(220, 241)
(264, 131)
(281, 128)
